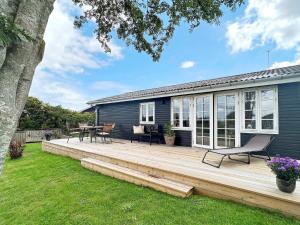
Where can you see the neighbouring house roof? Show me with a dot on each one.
(88, 110)
(279, 74)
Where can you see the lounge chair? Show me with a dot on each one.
(258, 143)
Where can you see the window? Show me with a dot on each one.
(260, 110)
(147, 113)
(185, 112)
(203, 131)
(151, 112)
(226, 120)
(250, 110)
(181, 112)
(176, 112)
(267, 109)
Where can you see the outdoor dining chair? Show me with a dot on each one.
(84, 132)
(106, 132)
(73, 132)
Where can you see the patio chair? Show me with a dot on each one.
(154, 133)
(71, 132)
(83, 130)
(258, 143)
(137, 133)
(150, 131)
(106, 132)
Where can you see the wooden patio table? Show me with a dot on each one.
(92, 130)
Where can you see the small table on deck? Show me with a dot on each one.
(92, 130)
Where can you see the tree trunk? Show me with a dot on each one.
(18, 63)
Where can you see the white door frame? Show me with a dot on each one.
(211, 120)
(237, 118)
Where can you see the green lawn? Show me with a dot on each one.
(41, 188)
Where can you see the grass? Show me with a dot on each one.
(41, 188)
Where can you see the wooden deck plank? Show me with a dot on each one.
(252, 184)
(168, 159)
(237, 179)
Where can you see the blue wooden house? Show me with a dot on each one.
(216, 113)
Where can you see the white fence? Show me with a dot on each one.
(35, 135)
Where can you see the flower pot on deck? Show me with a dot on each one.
(287, 172)
(170, 140)
(287, 186)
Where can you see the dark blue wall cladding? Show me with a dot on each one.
(287, 142)
(183, 138)
(126, 114)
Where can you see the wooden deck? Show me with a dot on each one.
(169, 167)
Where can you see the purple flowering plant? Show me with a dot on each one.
(285, 168)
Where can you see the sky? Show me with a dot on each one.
(75, 69)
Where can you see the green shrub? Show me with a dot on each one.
(15, 150)
(38, 115)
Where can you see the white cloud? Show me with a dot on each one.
(187, 64)
(296, 61)
(276, 21)
(55, 90)
(68, 52)
(68, 49)
(110, 86)
(285, 63)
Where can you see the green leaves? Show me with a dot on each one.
(10, 34)
(168, 130)
(148, 25)
(39, 115)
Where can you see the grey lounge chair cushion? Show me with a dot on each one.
(256, 144)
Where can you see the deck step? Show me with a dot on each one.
(137, 177)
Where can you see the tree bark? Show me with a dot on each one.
(18, 63)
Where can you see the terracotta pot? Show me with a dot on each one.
(287, 186)
(170, 140)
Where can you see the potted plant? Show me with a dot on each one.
(169, 134)
(287, 172)
(48, 135)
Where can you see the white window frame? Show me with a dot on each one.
(147, 113)
(97, 116)
(259, 129)
(211, 120)
(181, 127)
(237, 118)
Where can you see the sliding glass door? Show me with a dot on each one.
(226, 120)
(203, 132)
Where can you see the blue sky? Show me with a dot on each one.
(75, 68)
